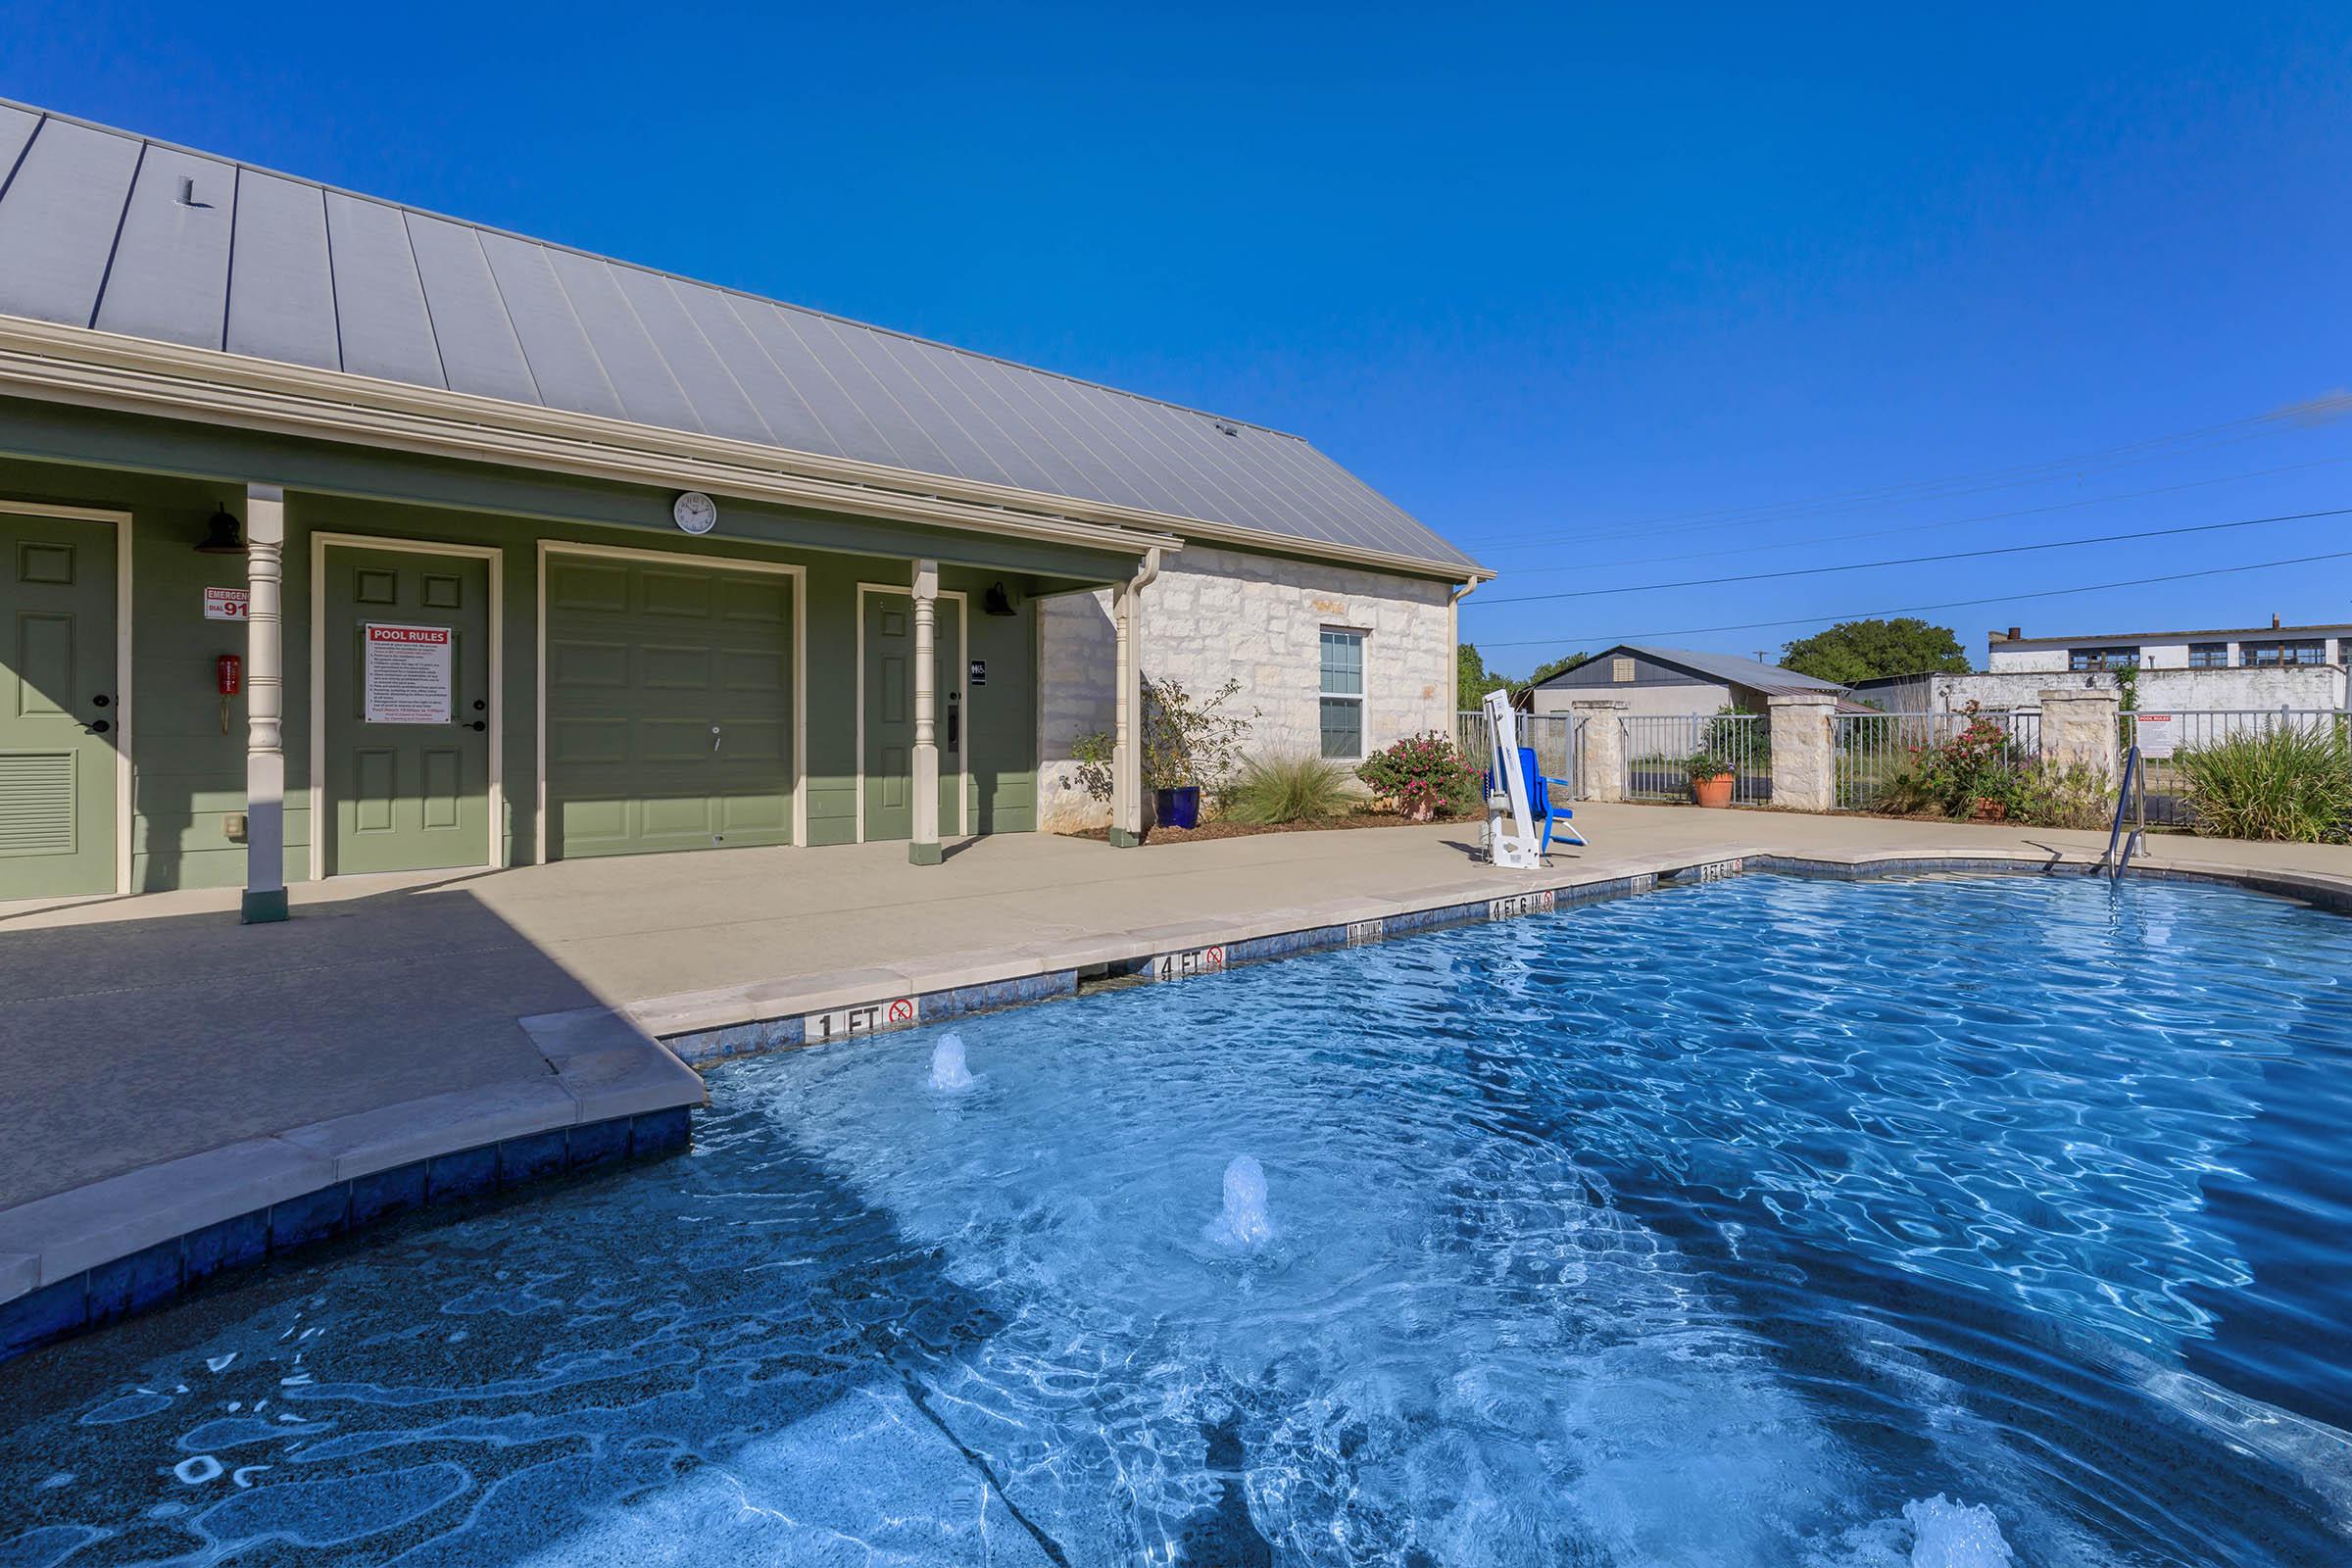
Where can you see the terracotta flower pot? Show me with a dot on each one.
(1713, 793)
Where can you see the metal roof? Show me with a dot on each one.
(1729, 668)
(106, 229)
(1995, 639)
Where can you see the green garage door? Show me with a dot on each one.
(668, 706)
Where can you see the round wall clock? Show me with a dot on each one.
(695, 512)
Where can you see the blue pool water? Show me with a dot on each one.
(1945, 1222)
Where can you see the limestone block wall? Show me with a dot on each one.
(1218, 615)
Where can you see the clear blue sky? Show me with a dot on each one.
(1543, 276)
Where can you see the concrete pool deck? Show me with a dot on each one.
(168, 1068)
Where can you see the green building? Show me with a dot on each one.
(338, 537)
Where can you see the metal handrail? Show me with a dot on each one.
(2124, 797)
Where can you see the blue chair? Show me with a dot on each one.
(1540, 803)
(1546, 811)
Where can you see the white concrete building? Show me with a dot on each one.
(2272, 647)
(2237, 670)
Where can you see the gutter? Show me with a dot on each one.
(90, 369)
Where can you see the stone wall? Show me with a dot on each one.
(2301, 687)
(1218, 615)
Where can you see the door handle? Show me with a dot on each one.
(96, 727)
(479, 725)
(715, 737)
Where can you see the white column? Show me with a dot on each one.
(2080, 727)
(265, 705)
(924, 850)
(1598, 724)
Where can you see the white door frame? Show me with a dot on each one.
(963, 698)
(496, 859)
(125, 529)
(800, 659)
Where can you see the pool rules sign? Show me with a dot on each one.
(408, 674)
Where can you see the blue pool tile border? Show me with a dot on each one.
(111, 1291)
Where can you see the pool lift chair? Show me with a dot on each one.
(1518, 796)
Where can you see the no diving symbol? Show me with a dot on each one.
(901, 1010)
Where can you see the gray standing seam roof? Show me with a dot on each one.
(102, 228)
(1729, 668)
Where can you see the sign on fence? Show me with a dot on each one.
(2157, 734)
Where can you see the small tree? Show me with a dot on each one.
(1191, 740)
(1186, 740)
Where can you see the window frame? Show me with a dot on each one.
(2100, 661)
(2214, 656)
(2280, 648)
(1324, 695)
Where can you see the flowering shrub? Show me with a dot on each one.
(1977, 774)
(1423, 776)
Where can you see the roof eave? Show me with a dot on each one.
(105, 370)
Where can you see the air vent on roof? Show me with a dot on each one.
(1226, 429)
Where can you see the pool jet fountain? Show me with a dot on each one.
(949, 1075)
(1243, 1225)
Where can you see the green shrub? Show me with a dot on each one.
(1424, 776)
(2290, 784)
(2049, 795)
(1273, 790)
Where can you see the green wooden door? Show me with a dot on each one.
(58, 712)
(407, 710)
(889, 698)
(668, 706)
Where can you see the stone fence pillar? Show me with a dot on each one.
(1600, 730)
(1804, 751)
(2081, 726)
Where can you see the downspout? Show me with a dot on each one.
(1126, 770)
(1453, 644)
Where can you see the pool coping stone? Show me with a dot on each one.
(611, 1091)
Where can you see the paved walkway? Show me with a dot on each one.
(143, 1030)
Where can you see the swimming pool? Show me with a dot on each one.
(1774, 1221)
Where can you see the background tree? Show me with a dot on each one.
(1865, 650)
(1556, 666)
(1476, 680)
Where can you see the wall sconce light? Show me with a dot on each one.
(221, 536)
(998, 602)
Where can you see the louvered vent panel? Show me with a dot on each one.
(36, 802)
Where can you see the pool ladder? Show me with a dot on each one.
(2132, 798)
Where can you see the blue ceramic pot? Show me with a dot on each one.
(1177, 807)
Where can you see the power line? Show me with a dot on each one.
(2327, 406)
(1912, 560)
(1923, 528)
(1913, 609)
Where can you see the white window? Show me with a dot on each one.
(1342, 694)
(1621, 670)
